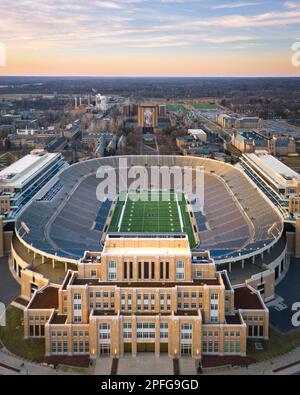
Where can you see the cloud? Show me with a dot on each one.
(115, 24)
(292, 4)
(234, 5)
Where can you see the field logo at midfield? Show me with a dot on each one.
(2, 314)
(296, 55)
(2, 55)
(186, 179)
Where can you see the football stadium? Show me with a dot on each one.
(143, 270)
(66, 219)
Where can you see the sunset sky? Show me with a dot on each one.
(149, 37)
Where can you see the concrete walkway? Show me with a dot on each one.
(264, 368)
(146, 364)
(13, 363)
(103, 367)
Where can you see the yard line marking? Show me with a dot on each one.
(179, 212)
(122, 214)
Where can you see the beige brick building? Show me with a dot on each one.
(146, 294)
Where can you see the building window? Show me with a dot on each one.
(161, 274)
(125, 270)
(153, 270)
(167, 270)
(131, 270)
(186, 331)
(31, 331)
(127, 330)
(226, 346)
(232, 346)
(53, 347)
(186, 350)
(145, 330)
(179, 270)
(146, 270)
(112, 270)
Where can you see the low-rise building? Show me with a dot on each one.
(250, 141)
(232, 122)
(248, 123)
(226, 121)
(283, 146)
(20, 182)
(199, 133)
(284, 181)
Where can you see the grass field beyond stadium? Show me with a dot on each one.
(159, 212)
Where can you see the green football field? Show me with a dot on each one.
(176, 107)
(163, 212)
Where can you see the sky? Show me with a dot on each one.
(149, 37)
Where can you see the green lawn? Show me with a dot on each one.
(278, 344)
(142, 214)
(12, 337)
(176, 107)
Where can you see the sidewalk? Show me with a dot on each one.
(264, 368)
(25, 368)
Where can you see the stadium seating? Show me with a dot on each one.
(69, 219)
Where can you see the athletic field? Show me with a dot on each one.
(143, 212)
(176, 107)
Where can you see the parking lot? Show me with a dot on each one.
(279, 127)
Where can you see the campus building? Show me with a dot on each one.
(148, 116)
(283, 146)
(248, 123)
(226, 121)
(284, 181)
(250, 141)
(110, 277)
(146, 295)
(20, 181)
(231, 122)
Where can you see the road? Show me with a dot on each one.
(9, 288)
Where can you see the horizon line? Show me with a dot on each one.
(146, 76)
